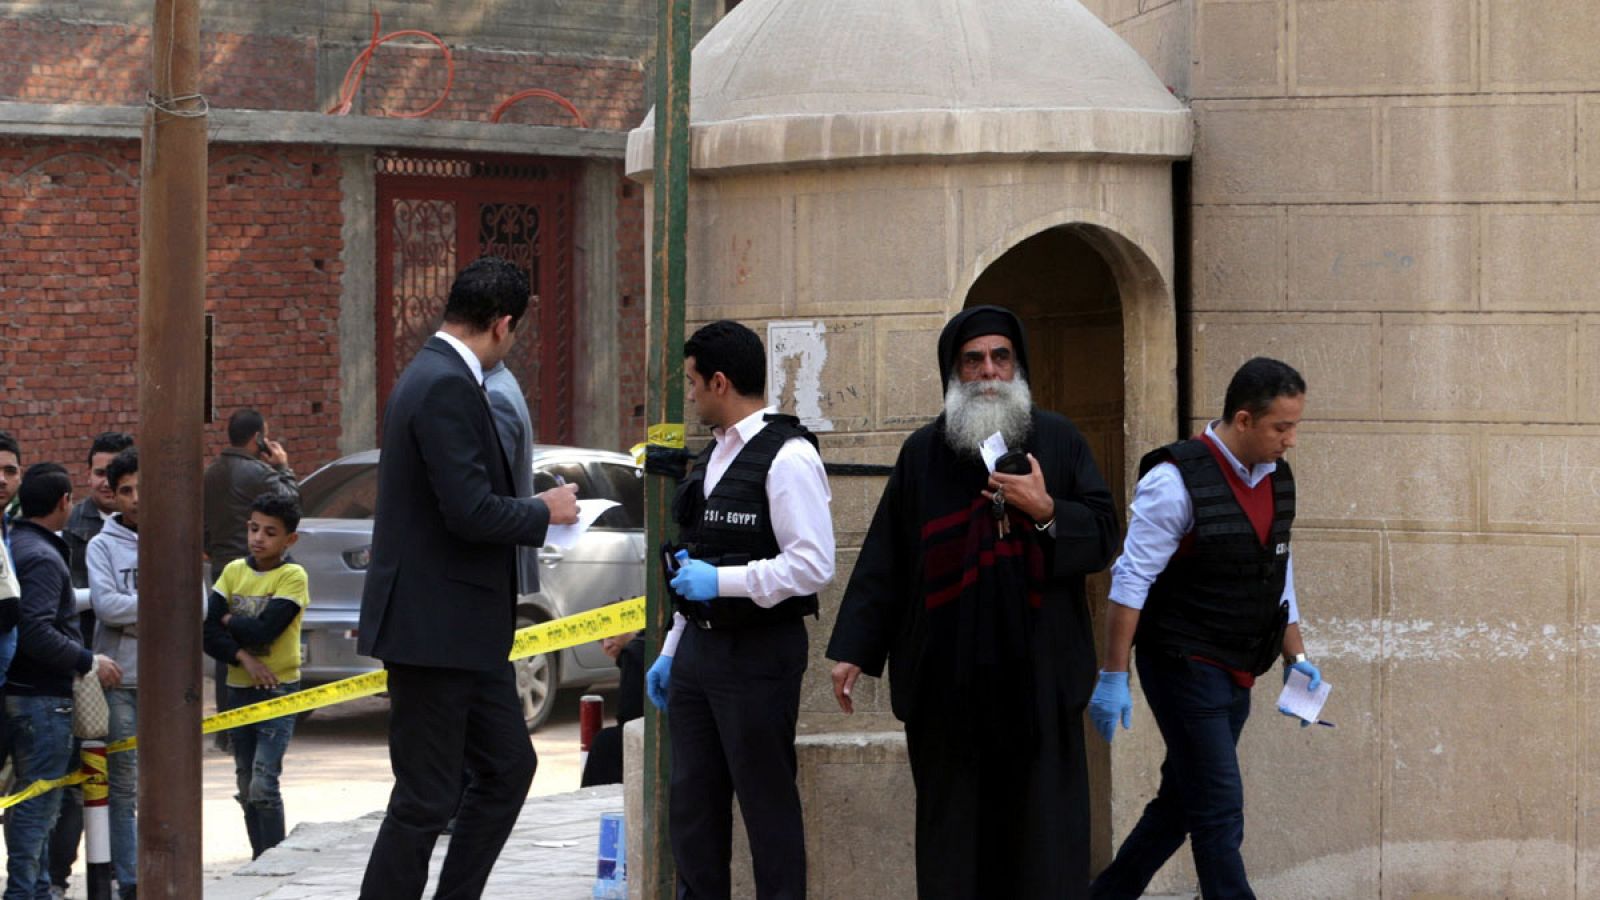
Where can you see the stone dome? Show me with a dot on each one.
(812, 81)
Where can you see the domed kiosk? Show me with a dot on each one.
(860, 170)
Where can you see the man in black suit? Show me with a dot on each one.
(439, 604)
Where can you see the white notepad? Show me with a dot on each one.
(566, 536)
(1298, 700)
(992, 448)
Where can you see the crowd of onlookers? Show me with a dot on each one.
(69, 636)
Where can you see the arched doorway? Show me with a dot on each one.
(1102, 345)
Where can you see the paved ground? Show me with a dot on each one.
(337, 772)
(551, 855)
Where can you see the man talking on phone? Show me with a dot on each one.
(248, 467)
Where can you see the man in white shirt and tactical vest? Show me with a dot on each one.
(757, 546)
(1205, 589)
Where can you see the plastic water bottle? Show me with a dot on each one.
(611, 862)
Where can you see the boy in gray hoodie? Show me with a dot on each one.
(113, 563)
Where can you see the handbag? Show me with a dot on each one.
(91, 715)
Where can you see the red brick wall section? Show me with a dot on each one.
(609, 92)
(74, 62)
(69, 293)
(109, 65)
(634, 310)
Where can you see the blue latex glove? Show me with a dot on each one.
(1305, 668)
(657, 680)
(1310, 671)
(1111, 701)
(695, 580)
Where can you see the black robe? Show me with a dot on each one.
(996, 749)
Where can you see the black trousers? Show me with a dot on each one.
(441, 721)
(1200, 712)
(731, 711)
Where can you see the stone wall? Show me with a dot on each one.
(1399, 198)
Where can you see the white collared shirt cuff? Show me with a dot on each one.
(1130, 599)
(733, 581)
(669, 647)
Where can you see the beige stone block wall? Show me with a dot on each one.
(1478, 789)
(1540, 45)
(1534, 257)
(1239, 48)
(1400, 197)
(1383, 46)
(1529, 157)
(1339, 354)
(1353, 258)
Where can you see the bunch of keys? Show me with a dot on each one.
(997, 508)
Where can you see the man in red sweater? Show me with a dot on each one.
(1205, 588)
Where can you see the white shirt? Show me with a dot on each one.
(1161, 515)
(467, 356)
(798, 497)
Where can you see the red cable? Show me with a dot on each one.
(542, 93)
(358, 70)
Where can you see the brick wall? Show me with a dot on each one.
(69, 293)
(608, 91)
(108, 64)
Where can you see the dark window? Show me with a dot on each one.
(341, 492)
(626, 485)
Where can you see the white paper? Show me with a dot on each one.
(992, 448)
(1296, 700)
(565, 537)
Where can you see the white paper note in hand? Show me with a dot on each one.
(992, 448)
(564, 537)
(1298, 700)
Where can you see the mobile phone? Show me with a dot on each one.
(261, 445)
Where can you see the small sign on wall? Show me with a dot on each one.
(797, 350)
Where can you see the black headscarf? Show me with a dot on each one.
(977, 322)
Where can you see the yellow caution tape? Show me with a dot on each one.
(570, 631)
(661, 435)
(546, 637)
(96, 786)
(40, 787)
(666, 434)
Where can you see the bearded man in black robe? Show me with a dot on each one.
(978, 608)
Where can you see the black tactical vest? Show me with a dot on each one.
(733, 526)
(1221, 597)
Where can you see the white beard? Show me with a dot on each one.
(976, 409)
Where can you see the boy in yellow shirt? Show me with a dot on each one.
(253, 625)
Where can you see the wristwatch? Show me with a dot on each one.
(1291, 660)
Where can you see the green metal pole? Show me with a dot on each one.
(664, 404)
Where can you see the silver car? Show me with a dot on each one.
(605, 566)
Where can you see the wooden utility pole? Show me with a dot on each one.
(664, 404)
(172, 281)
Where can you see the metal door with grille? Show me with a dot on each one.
(436, 215)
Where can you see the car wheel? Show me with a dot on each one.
(537, 680)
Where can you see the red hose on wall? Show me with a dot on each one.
(541, 93)
(358, 69)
